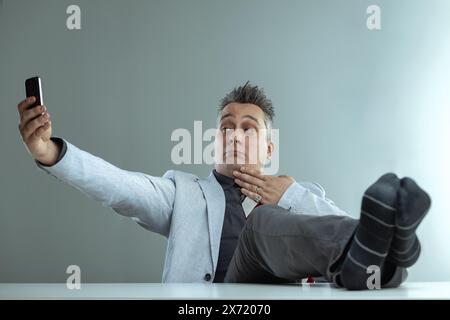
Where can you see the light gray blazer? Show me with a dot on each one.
(184, 208)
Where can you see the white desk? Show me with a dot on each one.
(319, 291)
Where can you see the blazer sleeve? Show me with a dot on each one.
(146, 199)
(308, 198)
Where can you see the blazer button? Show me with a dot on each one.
(207, 277)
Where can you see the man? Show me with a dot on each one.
(294, 233)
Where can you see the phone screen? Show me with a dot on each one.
(33, 87)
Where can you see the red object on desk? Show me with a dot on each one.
(310, 280)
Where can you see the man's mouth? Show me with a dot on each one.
(234, 153)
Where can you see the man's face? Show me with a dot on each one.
(241, 137)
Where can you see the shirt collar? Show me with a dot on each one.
(228, 184)
(224, 180)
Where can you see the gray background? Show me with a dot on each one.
(351, 104)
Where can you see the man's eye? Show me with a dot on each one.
(249, 130)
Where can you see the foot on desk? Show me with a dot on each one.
(374, 234)
(412, 205)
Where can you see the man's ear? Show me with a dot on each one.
(270, 148)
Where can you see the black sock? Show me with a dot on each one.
(373, 237)
(413, 204)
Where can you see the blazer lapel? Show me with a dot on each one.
(215, 207)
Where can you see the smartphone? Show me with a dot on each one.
(33, 87)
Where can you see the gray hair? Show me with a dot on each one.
(254, 95)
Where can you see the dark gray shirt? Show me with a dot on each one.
(233, 223)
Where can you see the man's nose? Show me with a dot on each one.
(236, 136)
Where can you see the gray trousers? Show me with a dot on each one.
(277, 246)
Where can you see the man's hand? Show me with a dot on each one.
(36, 128)
(270, 188)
